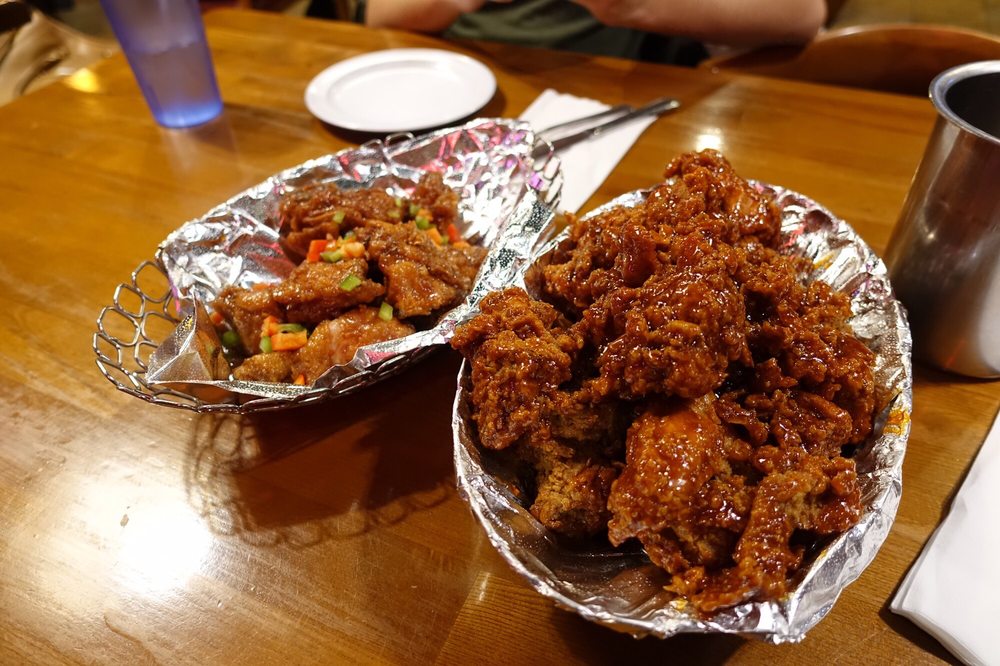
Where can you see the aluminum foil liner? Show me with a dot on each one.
(489, 162)
(620, 588)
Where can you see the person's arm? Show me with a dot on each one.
(419, 15)
(733, 22)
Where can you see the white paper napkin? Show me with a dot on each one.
(953, 589)
(586, 164)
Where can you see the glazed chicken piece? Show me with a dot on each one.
(705, 182)
(315, 292)
(676, 492)
(572, 487)
(519, 358)
(725, 538)
(246, 310)
(266, 367)
(681, 333)
(335, 342)
(440, 200)
(324, 210)
(801, 494)
(610, 251)
(421, 276)
(800, 333)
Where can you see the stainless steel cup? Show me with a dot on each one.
(944, 254)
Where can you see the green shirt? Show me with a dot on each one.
(557, 24)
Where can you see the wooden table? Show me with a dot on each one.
(133, 533)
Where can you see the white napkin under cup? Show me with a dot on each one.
(953, 589)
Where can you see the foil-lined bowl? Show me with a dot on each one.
(621, 588)
(156, 340)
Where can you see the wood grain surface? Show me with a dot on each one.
(133, 533)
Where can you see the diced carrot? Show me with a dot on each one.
(300, 380)
(453, 234)
(289, 341)
(269, 326)
(462, 244)
(316, 247)
(353, 249)
(435, 235)
(216, 318)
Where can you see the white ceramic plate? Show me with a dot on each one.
(400, 90)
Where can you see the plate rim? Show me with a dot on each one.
(319, 84)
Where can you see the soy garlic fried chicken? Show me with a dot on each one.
(313, 292)
(374, 268)
(681, 384)
(246, 310)
(421, 276)
(335, 341)
(322, 210)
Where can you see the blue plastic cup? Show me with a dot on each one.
(164, 41)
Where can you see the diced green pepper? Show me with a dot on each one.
(385, 312)
(291, 328)
(265, 344)
(414, 209)
(230, 339)
(338, 217)
(399, 202)
(332, 257)
(349, 235)
(423, 223)
(350, 282)
(393, 214)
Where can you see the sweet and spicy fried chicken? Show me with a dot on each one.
(706, 182)
(734, 381)
(572, 485)
(681, 333)
(607, 252)
(519, 358)
(813, 494)
(676, 492)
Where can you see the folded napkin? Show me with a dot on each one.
(586, 164)
(953, 589)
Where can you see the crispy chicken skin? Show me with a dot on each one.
(681, 384)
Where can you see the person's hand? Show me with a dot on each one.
(419, 15)
(734, 22)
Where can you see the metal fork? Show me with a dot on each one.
(550, 142)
